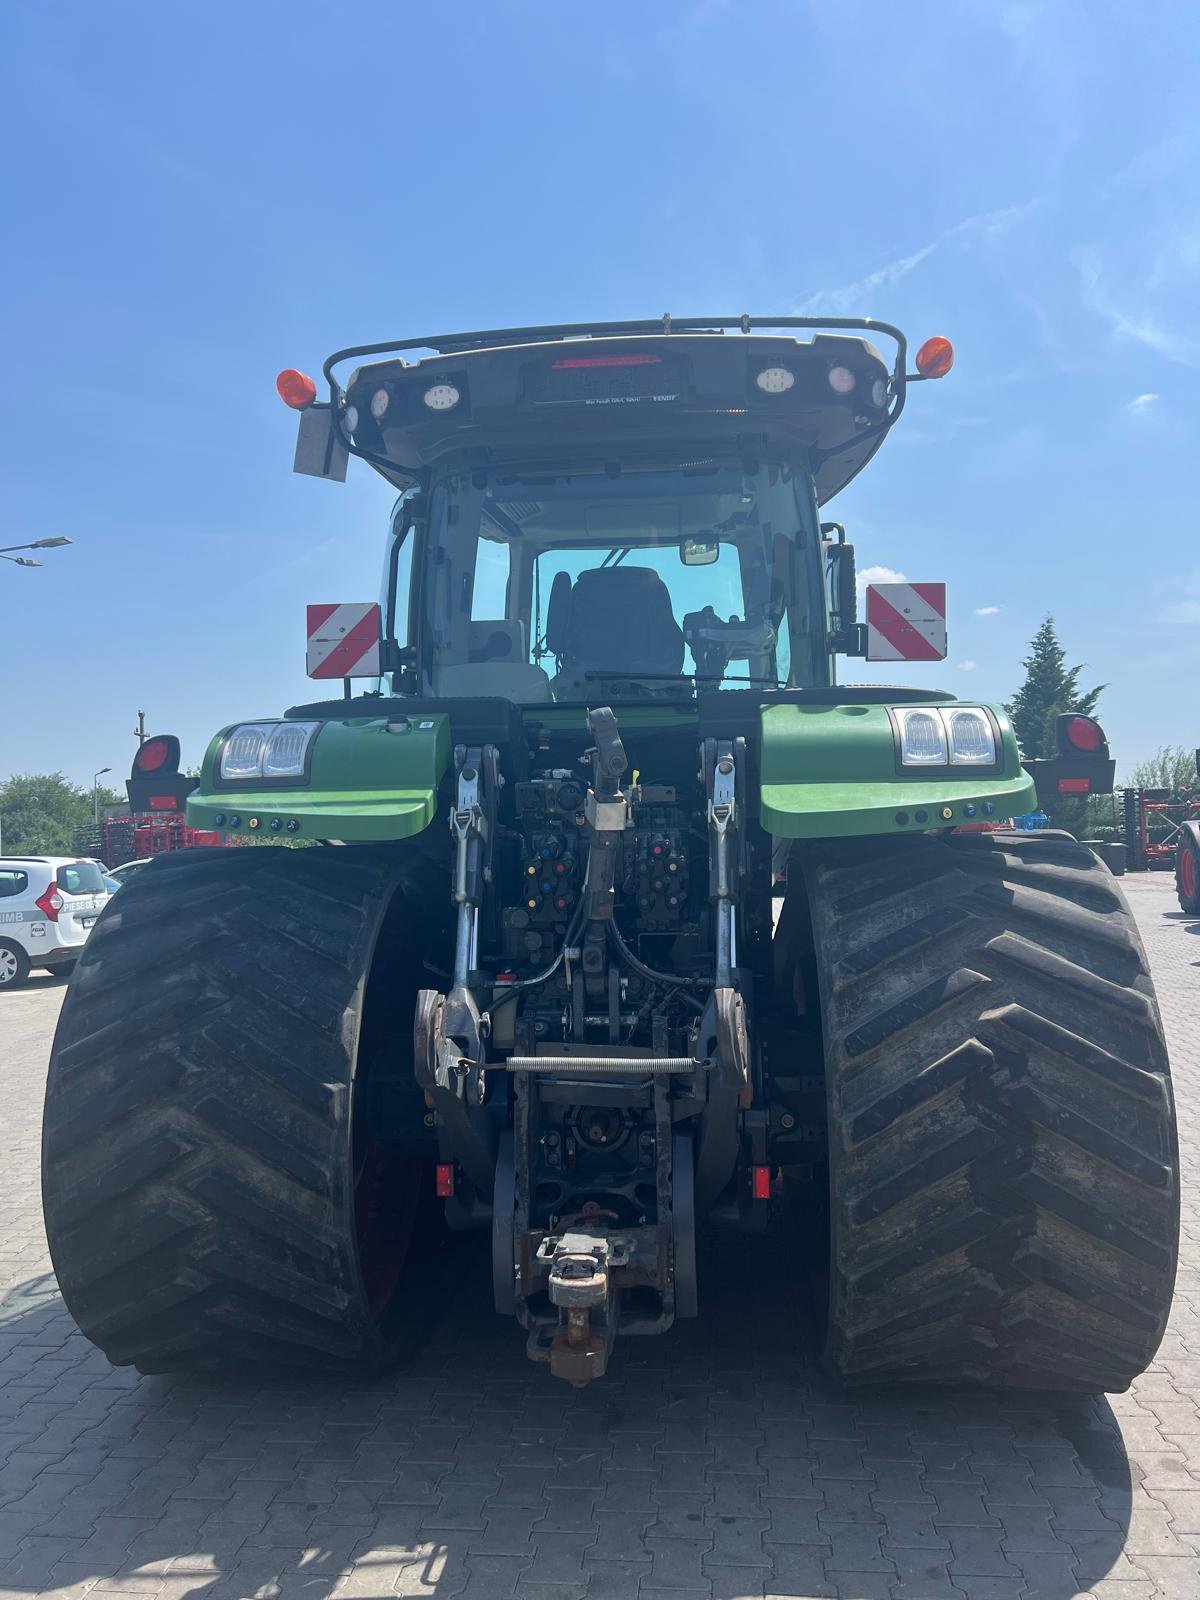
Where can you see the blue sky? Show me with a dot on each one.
(198, 195)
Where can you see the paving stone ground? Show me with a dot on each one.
(714, 1463)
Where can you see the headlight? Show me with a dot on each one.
(922, 739)
(972, 742)
(267, 750)
(243, 752)
(946, 736)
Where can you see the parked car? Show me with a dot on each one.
(129, 869)
(48, 906)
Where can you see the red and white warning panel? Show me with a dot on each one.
(906, 622)
(343, 640)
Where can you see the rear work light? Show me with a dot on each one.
(1083, 733)
(775, 380)
(50, 902)
(441, 397)
(296, 389)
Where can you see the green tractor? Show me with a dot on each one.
(622, 925)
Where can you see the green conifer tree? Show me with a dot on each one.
(1050, 688)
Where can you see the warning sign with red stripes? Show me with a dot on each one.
(343, 640)
(906, 621)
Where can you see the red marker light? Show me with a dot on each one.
(935, 357)
(1083, 733)
(1074, 786)
(152, 755)
(445, 1180)
(760, 1182)
(571, 363)
(296, 389)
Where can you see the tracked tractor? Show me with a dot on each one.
(620, 925)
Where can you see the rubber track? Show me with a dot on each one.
(1004, 1171)
(196, 1169)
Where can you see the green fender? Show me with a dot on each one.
(368, 779)
(832, 771)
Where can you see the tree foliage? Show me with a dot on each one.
(1050, 688)
(1172, 766)
(40, 811)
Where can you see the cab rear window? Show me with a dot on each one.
(81, 877)
(12, 882)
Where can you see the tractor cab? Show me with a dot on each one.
(622, 512)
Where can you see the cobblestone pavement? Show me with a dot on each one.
(716, 1462)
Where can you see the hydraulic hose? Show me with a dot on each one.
(512, 989)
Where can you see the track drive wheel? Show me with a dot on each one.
(1004, 1176)
(213, 1196)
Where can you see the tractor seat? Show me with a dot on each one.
(612, 619)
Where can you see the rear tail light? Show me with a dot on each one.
(152, 755)
(51, 902)
(1083, 733)
(1074, 786)
(760, 1182)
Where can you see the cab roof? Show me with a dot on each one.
(623, 392)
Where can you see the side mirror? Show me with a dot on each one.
(906, 622)
(699, 552)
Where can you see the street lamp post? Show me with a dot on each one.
(37, 544)
(96, 794)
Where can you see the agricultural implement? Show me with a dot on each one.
(157, 820)
(530, 977)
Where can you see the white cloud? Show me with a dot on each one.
(987, 611)
(868, 575)
(967, 666)
(850, 297)
(1140, 324)
(1141, 405)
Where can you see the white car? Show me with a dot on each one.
(48, 906)
(128, 869)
